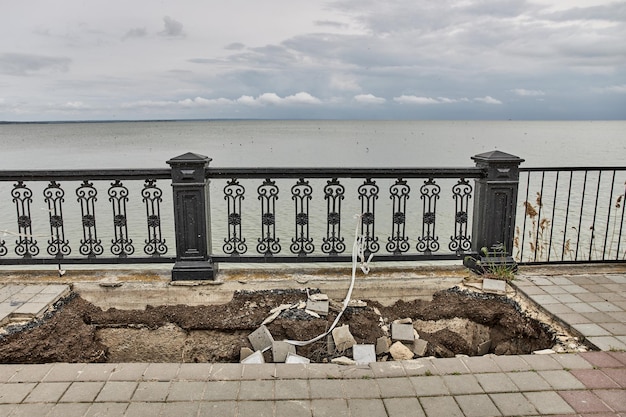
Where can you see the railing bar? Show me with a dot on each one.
(540, 206)
(585, 168)
(595, 211)
(521, 255)
(580, 219)
(330, 259)
(99, 260)
(569, 196)
(79, 175)
(261, 172)
(556, 189)
(608, 217)
(619, 237)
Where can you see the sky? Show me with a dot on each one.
(312, 59)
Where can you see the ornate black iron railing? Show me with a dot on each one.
(334, 232)
(571, 215)
(76, 221)
(307, 214)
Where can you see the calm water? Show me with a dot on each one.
(309, 143)
(286, 143)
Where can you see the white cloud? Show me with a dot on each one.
(404, 99)
(369, 99)
(274, 99)
(487, 100)
(528, 93)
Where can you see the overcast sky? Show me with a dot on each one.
(365, 59)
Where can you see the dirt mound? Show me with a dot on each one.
(81, 332)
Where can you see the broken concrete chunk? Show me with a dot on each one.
(330, 345)
(244, 352)
(281, 307)
(484, 347)
(342, 360)
(318, 297)
(320, 307)
(419, 347)
(280, 350)
(256, 357)
(301, 305)
(377, 311)
(272, 317)
(357, 303)
(343, 338)
(363, 354)
(261, 339)
(402, 331)
(407, 320)
(312, 313)
(400, 352)
(293, 358)
(543, 352)
(382, 345)
(494, 286)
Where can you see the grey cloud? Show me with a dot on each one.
(615, 12)
(172, 28)
(235, 46)
(25, 64)
(330, 24)
(135, 33)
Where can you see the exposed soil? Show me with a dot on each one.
(454, 322)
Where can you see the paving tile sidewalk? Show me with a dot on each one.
(565, 384)
(581, 384)
(593, 305)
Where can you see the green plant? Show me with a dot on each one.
(495, 264)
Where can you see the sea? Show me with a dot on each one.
(286, 143)
(309, 143)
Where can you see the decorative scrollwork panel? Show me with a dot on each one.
(235, 243)
(368, 194)
(90, 245)
(429, 241)
(155, 245)
(333, 243)
(122, 245)
(58, 246)
(302, 243)
(461, 193)
(398, 242)
(25, 245)
(268, 244)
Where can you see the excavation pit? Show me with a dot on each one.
(453, 320)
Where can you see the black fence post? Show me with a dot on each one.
(192, 218)
(495, 201)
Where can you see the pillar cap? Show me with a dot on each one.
(497, 156)
(189, 157)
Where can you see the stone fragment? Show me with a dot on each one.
(343, 338)
(377, 311)
(293, 358)
(342, 360)
(543, 352)
(318, 297)
(281, 307)
(400, 352)
(406, 320)
(244, 352)
(357, 303)
(271, 317)
(494, 286)
(330, 345)
(261, 339)
(419, 347)
(312, 313)
(280, 351)
(320, 307)
(363, 354)
(256, 357)
(483, 348)
(402, 332)
(382, 345)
